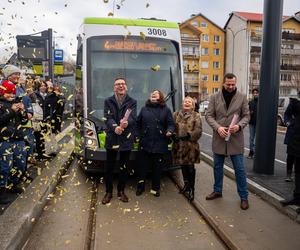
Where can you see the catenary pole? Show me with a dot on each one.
(266, 126)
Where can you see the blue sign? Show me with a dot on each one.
(58, 55)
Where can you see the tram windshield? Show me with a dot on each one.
(145, 64)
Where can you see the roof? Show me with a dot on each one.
(201, 15)
(130, 22)
(191, 27)
(254, 17)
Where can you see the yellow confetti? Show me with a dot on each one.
(69, 97)
(142, 35)
(155, 68)
(105, 1)
(32, 219)
(67, 242)
(115, 146)
(110, 14)
(128, 135)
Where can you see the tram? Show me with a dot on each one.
(146, 52)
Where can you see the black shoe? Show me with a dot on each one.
(5, 197)
(140, 188)
(185, 188)
(122, 196)
(106, 199)
(16, 189)
(251, 154)
(290, 202)
(190, 195)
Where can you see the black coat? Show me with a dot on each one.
(153, 122)
(113, 114)
(51, 106)
(294, 142)
(253, 111)
(10, 121)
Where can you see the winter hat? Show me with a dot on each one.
(7, 87)
(10, 69)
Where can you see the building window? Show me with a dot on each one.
(287, 46)
(216, 65)
(204, 90)
(203, 24)
(215, 90)
(285, 77)
(258, 29)
(255, 76)
(205, 38)
(204, 78)
(185, 35)
(204, 51)
(216, 78)
(204, 65)
(217, 39)
(195, 23)
(216, 52)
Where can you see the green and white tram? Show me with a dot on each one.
(147, 53)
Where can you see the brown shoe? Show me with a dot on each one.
(106, 199)
(213, 195)
(244, 204)
(122, 196)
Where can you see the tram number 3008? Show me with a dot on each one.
(157, 32)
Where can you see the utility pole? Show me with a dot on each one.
(266, 128)
(50, 58)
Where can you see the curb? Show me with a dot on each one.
(20, 217)
(274, 199)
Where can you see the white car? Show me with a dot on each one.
(203, 106)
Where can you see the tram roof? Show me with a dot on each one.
(130, 22)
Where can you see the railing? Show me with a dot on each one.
(254, 66)
(289, 67)
(291, 36)
(191, 81)
(190, 41)
(255, 49)
(191, 53)
(290, 52)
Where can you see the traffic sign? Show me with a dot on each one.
(58, 55)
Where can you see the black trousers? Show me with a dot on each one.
(40, 143)
(297, 178)
(290, 160)
(155, 161)
(110, 165)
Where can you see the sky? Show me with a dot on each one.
(24, 17)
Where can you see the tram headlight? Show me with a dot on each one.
(90, 134)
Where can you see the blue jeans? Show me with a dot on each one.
(12, 162)
(252, 132)
(240, 174)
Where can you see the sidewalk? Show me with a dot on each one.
(262, 226)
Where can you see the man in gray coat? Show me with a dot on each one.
(228, 138)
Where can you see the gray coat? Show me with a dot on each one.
(219, 116)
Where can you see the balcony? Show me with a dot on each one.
(191, 81)
(195, 41)
(254, 66)
(191, 54)
(290, 67)
(291, 36)
(292, 52)
(255, 49)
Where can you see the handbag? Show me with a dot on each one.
(37, 117)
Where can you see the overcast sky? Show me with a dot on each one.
(22, 17)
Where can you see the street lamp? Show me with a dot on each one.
(234, 34)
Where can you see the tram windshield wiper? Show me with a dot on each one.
(173, 91)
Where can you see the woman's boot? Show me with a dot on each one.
(185, 175)
(192, 176)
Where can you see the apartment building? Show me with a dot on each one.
(203, 44)
(243, 51)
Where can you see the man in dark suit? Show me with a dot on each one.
(119, 136)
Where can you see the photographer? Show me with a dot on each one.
(12, 145)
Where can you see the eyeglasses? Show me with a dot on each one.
(120, 83)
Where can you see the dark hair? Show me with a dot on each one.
(39, 84)
(120, 78)
(229, 76)
(255, 90)
(161, 99)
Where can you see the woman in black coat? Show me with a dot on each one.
(293, 148)
(155, 125)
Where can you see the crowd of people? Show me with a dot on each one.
(30, 110)
(155, 127)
